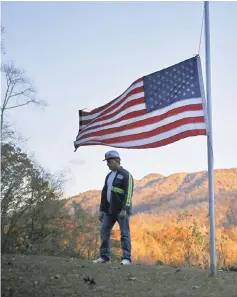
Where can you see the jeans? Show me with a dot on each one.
(107, 224)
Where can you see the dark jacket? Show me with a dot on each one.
(121, 193)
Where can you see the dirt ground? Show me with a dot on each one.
(42, 276)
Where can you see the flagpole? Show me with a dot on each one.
(210, 143)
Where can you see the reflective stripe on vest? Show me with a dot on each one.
(129, 190)
(117, 190)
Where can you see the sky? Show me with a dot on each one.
(84, 54)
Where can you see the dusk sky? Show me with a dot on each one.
(84, 54)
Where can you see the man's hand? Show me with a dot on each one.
(122, 214)
(101, 215)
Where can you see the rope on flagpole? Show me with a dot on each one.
(200, 39)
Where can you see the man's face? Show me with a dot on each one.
(113, 164)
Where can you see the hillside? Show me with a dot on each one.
(180, 191)
(170, 218)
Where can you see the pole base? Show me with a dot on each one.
(213, 270)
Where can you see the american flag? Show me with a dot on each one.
(156, 110)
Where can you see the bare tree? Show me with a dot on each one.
(18, 90)
(2, 48)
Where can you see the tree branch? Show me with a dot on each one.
(19, 90)
(19, 105)
(19, 93)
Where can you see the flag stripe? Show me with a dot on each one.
(134, 88)
(143, 126)
(141, 107)
(157, 121)
(132, 115)
(142, 115)
(171, 139)
(142, 133)
(126, 106)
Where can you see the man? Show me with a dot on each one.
(115, 206)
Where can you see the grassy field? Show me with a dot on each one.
(43, 276)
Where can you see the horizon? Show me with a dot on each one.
(155, 173)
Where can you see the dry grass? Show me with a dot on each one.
(43, 276)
